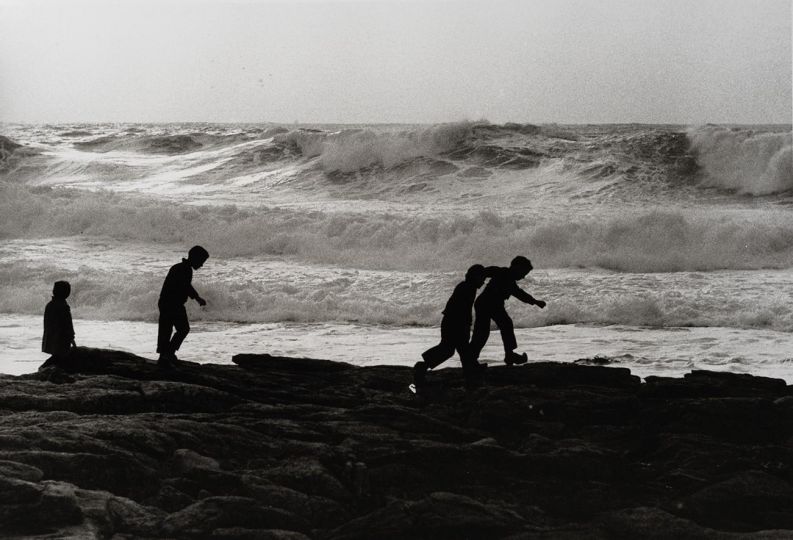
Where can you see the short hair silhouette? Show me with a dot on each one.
(173, 326)
(197, 253)
(475, 272)
(61, 290)
(521, 263)
(58, 337)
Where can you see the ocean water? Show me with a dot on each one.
(662, 248)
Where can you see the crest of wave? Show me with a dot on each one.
(744, 160)
(352, 150)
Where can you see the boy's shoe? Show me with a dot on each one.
(52, 361)
(419, 374)
(513, 358)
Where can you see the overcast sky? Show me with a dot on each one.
(569, 61)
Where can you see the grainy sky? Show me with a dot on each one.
(570, 61)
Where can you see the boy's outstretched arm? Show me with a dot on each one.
(523, 296)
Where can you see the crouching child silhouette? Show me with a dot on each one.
(455, 331)
(58, 338)
(490, 306)
(176, 289)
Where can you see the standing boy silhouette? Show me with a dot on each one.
(58, 338)
(490, 306)
(176, 289)
(455, 329)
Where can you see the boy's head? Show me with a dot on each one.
(61, 290)
(476, 275)
(197, 256)
(520, 267)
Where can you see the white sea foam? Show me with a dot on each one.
(112, 280)
(351, 151)
(745, 160)
(375, 225)
(650, 240)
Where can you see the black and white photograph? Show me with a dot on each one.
(396, 269)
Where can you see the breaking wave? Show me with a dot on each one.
(378, 221)
(255, 290)
(744, 160)
(642, 160)
(650, 240)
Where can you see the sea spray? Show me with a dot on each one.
(651, 240)
(375, 225)
(122, 282)
(744, 160)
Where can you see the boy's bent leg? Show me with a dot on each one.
(182, 327)
(164, 327)
(507, 329)
(504, 323)
(480, 334)
(438, 354)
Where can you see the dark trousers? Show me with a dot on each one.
(484, 313)
(454, 337)
(172, 318)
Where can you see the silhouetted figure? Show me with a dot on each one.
(58, 338)
(455, 329)
(490, 307)
(176, 289)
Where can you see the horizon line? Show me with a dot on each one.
(383, 123)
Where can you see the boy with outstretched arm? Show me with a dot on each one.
(490, 306)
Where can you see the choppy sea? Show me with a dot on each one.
(660, 248)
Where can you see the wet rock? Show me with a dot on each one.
(750, 500)
(653, 524)
(238, 533)
(126, 516)
(118, 473)
(113, 447)
(28, 508)
(594, 361)
(320, 512)
(186, 460)
(309, 476)
(20, 471)
(699, 384)
(170, 499)
(205, 516)
(440, 515)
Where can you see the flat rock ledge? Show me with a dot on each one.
(110, 446)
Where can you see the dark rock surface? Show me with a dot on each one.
(110, 446)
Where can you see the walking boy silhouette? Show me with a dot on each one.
(490, 306)
(176, 289)
(455, 329)
(58, 338)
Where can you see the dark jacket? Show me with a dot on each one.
(176, 288)
(501, 286)
(458, 308)
(58, 328)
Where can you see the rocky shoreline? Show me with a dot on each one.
(286, 448)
